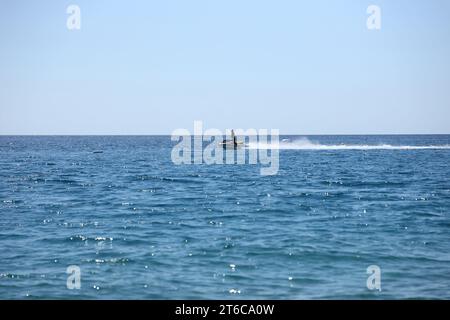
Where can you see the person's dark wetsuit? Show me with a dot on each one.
(233, 137)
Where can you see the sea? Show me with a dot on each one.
(112, 217)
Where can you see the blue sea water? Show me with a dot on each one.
(140, 227)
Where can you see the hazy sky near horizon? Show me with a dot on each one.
(149, 67)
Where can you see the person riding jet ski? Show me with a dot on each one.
(232, 141)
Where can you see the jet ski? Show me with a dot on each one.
(230, 144)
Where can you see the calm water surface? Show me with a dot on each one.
(140, 227)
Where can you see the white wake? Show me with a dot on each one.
(306, 144)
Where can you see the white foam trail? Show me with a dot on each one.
(305, 144)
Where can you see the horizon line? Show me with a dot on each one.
(159, 134)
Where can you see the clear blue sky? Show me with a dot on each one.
(148, 67)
